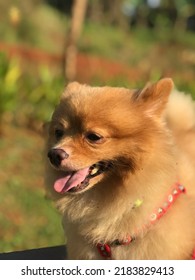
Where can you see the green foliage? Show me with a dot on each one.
(42, 94)
(9, 84)
(26, 96)
(39, 25)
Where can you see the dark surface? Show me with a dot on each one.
(49, 253)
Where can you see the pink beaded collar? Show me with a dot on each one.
(104, 249)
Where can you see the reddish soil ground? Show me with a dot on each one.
(88, 66)
(98, 69)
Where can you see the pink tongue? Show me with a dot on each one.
(70, 181)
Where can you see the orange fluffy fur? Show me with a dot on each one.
(150, 140)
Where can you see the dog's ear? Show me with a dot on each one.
(154, 96)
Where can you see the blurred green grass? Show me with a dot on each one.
(27, 219)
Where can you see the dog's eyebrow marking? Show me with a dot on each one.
(62, 123)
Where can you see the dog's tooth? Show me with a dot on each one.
(94, 170)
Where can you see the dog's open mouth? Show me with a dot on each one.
(77, 181)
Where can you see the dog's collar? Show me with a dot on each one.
(104, 249)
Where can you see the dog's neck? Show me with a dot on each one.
(105, 248)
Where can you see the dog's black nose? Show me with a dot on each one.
(56, 156)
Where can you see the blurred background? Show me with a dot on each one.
(46, 43)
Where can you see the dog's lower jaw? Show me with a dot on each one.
(86, 186)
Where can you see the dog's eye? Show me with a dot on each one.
(58, 133)
(94, 137)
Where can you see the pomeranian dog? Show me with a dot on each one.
(121, 168)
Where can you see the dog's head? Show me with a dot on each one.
(97, 132)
